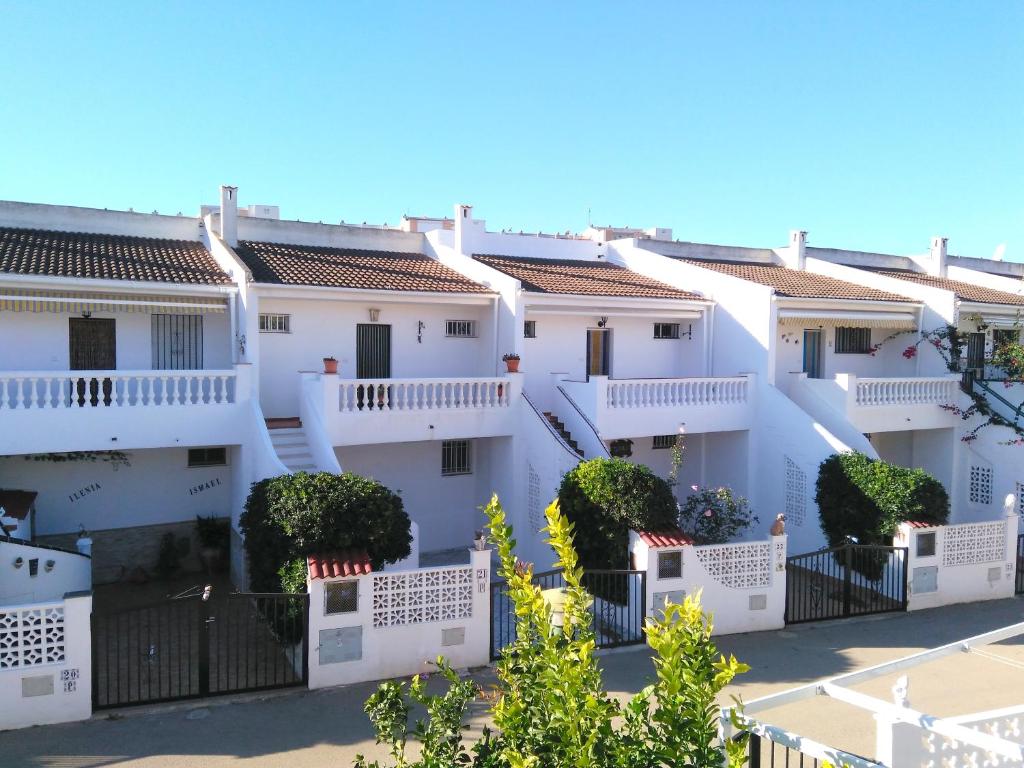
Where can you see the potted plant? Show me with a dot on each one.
(214, 534)
(330, 365)
(511, 360)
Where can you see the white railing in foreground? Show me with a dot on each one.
(382, 395)
(37, 390)
(909, 391)
(665, 393)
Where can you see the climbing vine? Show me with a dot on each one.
(115, 458)
(948, 342)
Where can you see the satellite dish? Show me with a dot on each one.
(999, 252)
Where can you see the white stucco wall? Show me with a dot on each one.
(71, 572)
(38, 341)
(888, 361)
(158, 487)
(561, 347)
(320, 328)
(444, 507)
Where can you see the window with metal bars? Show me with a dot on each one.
(666, 330)
(853, 341)
(177, 342)
(663, 441)
(461, 329)
(341, 597)
(207, 457)
(455, 457)
(529, 329)
(670, 565)
(275, 323)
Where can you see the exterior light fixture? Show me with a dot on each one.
(602, 322)
(49, 565)
(555, 598)
(18, 562)
(374, 315)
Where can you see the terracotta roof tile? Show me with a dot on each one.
(586, 278)
(106, 257)
(339, 564)
(919, 524)
(964, 291)
(796, 283)
(351, 268)
(667, 538)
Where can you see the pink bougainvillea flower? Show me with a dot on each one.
(694, 487)
(708, 513)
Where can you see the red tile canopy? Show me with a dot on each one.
(349, 562)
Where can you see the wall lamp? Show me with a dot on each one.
(374, 315)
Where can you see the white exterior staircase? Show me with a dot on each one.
(292, 447)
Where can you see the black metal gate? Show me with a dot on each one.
(618, 610)
(852, 580)
(1019, 585)
(199, 645)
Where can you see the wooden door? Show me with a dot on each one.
(92, 347)
(598, 352)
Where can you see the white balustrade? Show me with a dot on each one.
(668, 393)
(45, 390)
(908, 391)
(384, 395)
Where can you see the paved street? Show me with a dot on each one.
(307, 729)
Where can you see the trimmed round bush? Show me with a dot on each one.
(868, 498)
(289, 517)
(605, 498)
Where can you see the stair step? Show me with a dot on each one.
(284, 434)
(291, 422)
(298, 452)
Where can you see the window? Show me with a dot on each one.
(455, 457)
(666, 330)
(530, 329)
(1003, 336)
(177, 342)
(925, 544)
(663, 441)
(207, 457)
(275, 323)
(853, 341)
(670, 565)
(341, 597)
(460, 329)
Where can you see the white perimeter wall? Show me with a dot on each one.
(38, 341)
(561, 347)
(444, 507)
(320, 328)
(158, 487)
(71, 573)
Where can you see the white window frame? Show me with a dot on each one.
(275, 322)
(673, 331)
(661, 442)
(529, 329)
(460, 329)
(206, 465)
(860, 332)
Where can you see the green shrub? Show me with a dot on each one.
(289, 517)
(715, 515)
(604, 499)
(867, 499)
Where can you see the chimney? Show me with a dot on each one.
(794, 255)
(463, 225)
(937, 257)
(229, 215)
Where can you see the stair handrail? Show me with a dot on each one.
(586, 420)
(1016, 409)
(551, 429)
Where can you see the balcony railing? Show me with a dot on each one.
(669, 393)
(905, 391)
(391, 395)
(51, 390)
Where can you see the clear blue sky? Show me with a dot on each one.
(873, 125)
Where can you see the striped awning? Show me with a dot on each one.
(14, 300)
(858, 319)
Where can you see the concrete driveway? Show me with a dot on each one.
(312, 729)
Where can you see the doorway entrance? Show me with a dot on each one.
(812, 354)
(599, 348)
(373, 361)
(92, 346)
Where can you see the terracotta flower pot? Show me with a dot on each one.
(330, 365)
(513, 366)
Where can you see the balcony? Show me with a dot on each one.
(888, 404)
(620, 408)
(62, 411)
(366, 411)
